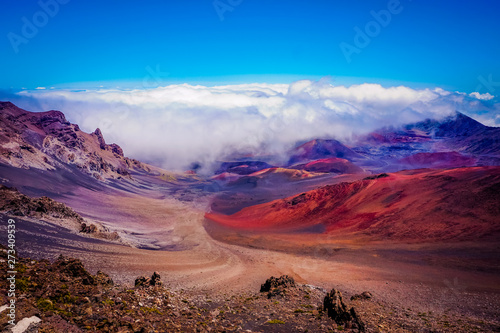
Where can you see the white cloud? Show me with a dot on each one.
(486, 96)
(178, 124)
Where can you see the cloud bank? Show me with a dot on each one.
(177, 125)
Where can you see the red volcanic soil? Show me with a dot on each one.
(439, 160)
(416, 205)
(333, 164)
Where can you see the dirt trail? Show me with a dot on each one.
(199, 264)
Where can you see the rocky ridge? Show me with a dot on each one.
(14, 203)
(47, 141)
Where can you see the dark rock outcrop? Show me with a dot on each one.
(277, 286)
(142, 281)
(73, 268)
(154, 280)
(100, 138)
(88, 229)
(15, 203)
(336, 309)
(116, 149)
(283, 281)
(66, 298)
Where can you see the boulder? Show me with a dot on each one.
(276, 286)
(283, 281)
(154, 280)
(142, 281)
(336, 309)
(363, 296)
(88, 229)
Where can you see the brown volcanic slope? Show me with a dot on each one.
(416, 205)
(47, 141)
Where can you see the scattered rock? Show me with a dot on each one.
(363, 296)
(15, 203)
(63, 303)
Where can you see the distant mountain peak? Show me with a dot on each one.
(455, 125)
(460, 124)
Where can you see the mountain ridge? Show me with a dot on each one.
(47, 141)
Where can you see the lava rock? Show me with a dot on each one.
(276, 286)
(103, 279)
(284, 281)
(73, 268)
(88, 229)
(363, 296)
(155, 279)
(142, 281)
(336, 309)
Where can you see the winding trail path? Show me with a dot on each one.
(199, 264)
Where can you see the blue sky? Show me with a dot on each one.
(448, 44)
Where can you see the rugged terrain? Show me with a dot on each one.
(343, 215)
(64, 296)
(46, 141)
(16, 204)
(417, 205)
